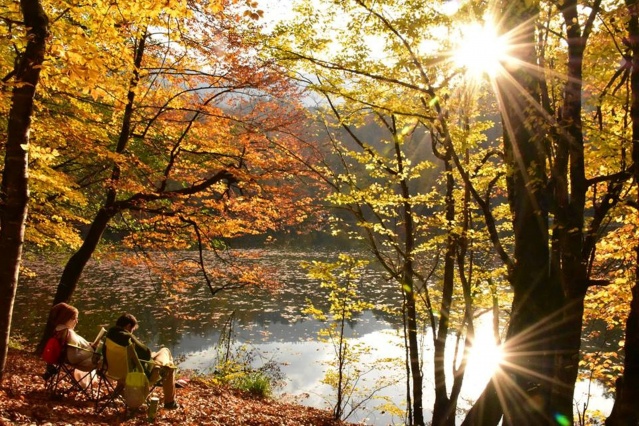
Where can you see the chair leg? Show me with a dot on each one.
(52, 380)
(111, 393)
(64, 382)
(83, 385)
(60, 382)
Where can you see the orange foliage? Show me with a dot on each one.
(203, 102)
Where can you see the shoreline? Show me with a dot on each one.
(24, 401)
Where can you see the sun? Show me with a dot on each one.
(481, 50)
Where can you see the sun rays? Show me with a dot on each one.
(481, 50)
(523, 369)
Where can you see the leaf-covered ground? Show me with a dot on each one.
(24, 401)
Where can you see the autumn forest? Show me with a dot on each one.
(482, 154)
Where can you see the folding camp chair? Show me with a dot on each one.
(62, 378)
(117, 363)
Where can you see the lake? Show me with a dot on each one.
(271, 324)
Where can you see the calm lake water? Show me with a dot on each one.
(270, 323)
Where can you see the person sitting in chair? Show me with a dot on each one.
(162, 360)
(80, 354)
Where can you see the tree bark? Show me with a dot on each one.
(548, 291)
(14, 193)
(465, 266)
(522, 387)
(413, 349)
(408, 275)
(625, 411)
(569, 199)
(444, 412)
(74, 267)
(524, 383)
(487, 410)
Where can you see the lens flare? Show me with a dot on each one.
(481, 50)
(562, 420)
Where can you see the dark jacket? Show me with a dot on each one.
(124, 338)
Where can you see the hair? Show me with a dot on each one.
(126, 319)
(62, 313)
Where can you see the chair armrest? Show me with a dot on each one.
(151, 363)
(69, 345)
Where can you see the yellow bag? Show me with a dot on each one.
(136, 384)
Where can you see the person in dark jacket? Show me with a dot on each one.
(163, 366)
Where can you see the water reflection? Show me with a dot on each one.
(272, 323)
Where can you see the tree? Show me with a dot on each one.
(388, 184)
(559, 215)
(14, 193)
(385, 184)
(342, 279)
(188, 150)
(625, 410)
(563, 182)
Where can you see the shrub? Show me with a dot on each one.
(255, 382)
(17, 342)
(236, 367)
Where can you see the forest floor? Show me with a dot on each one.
(24, 401)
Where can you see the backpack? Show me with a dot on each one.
(52, 351)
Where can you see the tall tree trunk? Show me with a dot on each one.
(408, 275)
(523, 385)
(570, 186)
(14, 193)
(442, 413)
(625, 411)
(552, 326)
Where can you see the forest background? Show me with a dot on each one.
(499, 177)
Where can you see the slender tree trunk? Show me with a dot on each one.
(342, 350)
(14, 193)
(413, 349)
(408, 291)
(407, 365)
(465, 265)
(409, 286)
(76, 264)
(442, 414)
(625, 411)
